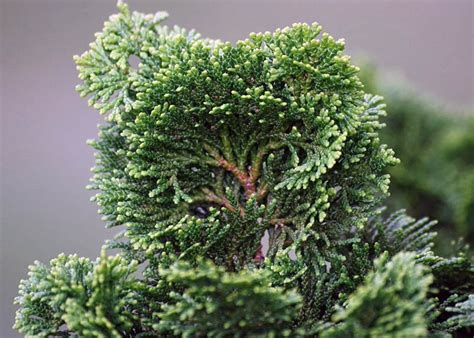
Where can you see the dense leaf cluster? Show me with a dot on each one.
(247, 180)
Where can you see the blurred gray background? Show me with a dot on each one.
(45, 161)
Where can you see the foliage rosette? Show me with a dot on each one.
(274, 133)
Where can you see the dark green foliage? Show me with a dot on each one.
(93, 299)
(453, 278)
(217, 303)
(206, 149)
(436, 149)
(400, 232)
(210, 128)
(464, 314)
(391, 301)
(40, 312)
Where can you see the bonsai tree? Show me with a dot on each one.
(248, 181)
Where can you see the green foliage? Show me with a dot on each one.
(464, 314)
(280, 119)
(453, 278)
(93, 299)
(106, 311)
(218, 303)
(391, 301)
(42, 296)
(436, 147)
(400, 232)
(206, 149)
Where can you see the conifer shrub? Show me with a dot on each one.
(208, 151)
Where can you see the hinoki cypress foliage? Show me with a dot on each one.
(208, 147)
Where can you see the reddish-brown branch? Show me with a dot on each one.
(255, 170)
(213, 198)
(277, 221)
(262, 192)
(243, 178)
(246, 181)
(221, 200)
(259, 256)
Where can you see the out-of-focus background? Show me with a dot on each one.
(45, 161)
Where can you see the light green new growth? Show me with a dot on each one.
(218, 303)
(207, 148)
(89, 297)
(391, 301)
